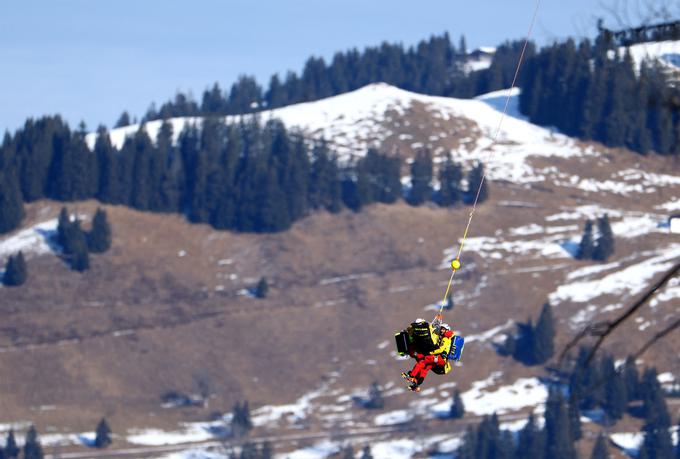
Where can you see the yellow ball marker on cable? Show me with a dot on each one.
(455, 264)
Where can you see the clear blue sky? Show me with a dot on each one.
(90, 60)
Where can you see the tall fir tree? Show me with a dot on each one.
(262, 288)
(102, 434)
(477, 185)
(15, 271)
(632, 379)
(559, 442)
(585, 247)
(657, 443)
(11, 448)
(449, 184)
(616, 399)
(99, 237)
(530, 441)
(347, 452)
(241, 422)
(604, 246)
(600, 450)
(574, 416)
(11, 204)
(421, 178)
(366, 453)
(544, 336)
(375, 399)
(457, 409)
(32, 447)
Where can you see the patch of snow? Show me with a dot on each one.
(85, 438)
(292, 413)
(588, 270)
(195, 453)
(316, 451)
(487, 335)
(666, 53)
(630, 280)
(34, 240)
(191, 432)
(525, 392)
(393, 418)
(665, 378)
(499, 99)
(670, 206)
(630, 443)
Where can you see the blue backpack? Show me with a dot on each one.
(456, 349)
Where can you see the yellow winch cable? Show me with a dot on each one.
(455, 264)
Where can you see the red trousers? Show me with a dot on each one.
(425, 363)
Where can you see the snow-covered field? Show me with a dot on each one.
(665, 53)
(33, 240)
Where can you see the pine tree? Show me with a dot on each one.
(240, 421)
(266, 451)
(15, 271)
(544, 336)
(11, 449)
(574, 416)
(375, 399)
(103, 434)
(632, 379)
(457, 409)
(559, 443)
(347, 452)
(99, 238)
(421, 178)
(262, 288)
(449, 179)
(366, 453)
(616, 400)
(530, 441)
(80, 258)
(677, 445)
(73, 241)
(32, 448)
(657, 442)
(476, 180)
(63, 226)
(600, 450)
(11, 205)
(123, 120)
(467, 449)
(488, 443)
(604, 246)
(585, 247)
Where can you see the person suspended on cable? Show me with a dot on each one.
(432, 346)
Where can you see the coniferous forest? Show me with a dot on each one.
(244, 177)
(262, 178)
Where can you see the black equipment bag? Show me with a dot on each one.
(402, 342)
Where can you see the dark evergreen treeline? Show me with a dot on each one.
(244, 176)
(601, 96)
(554, 441)
(617, 391)
(596, 386)
(433, 66)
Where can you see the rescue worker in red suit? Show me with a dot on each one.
(429, 345)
